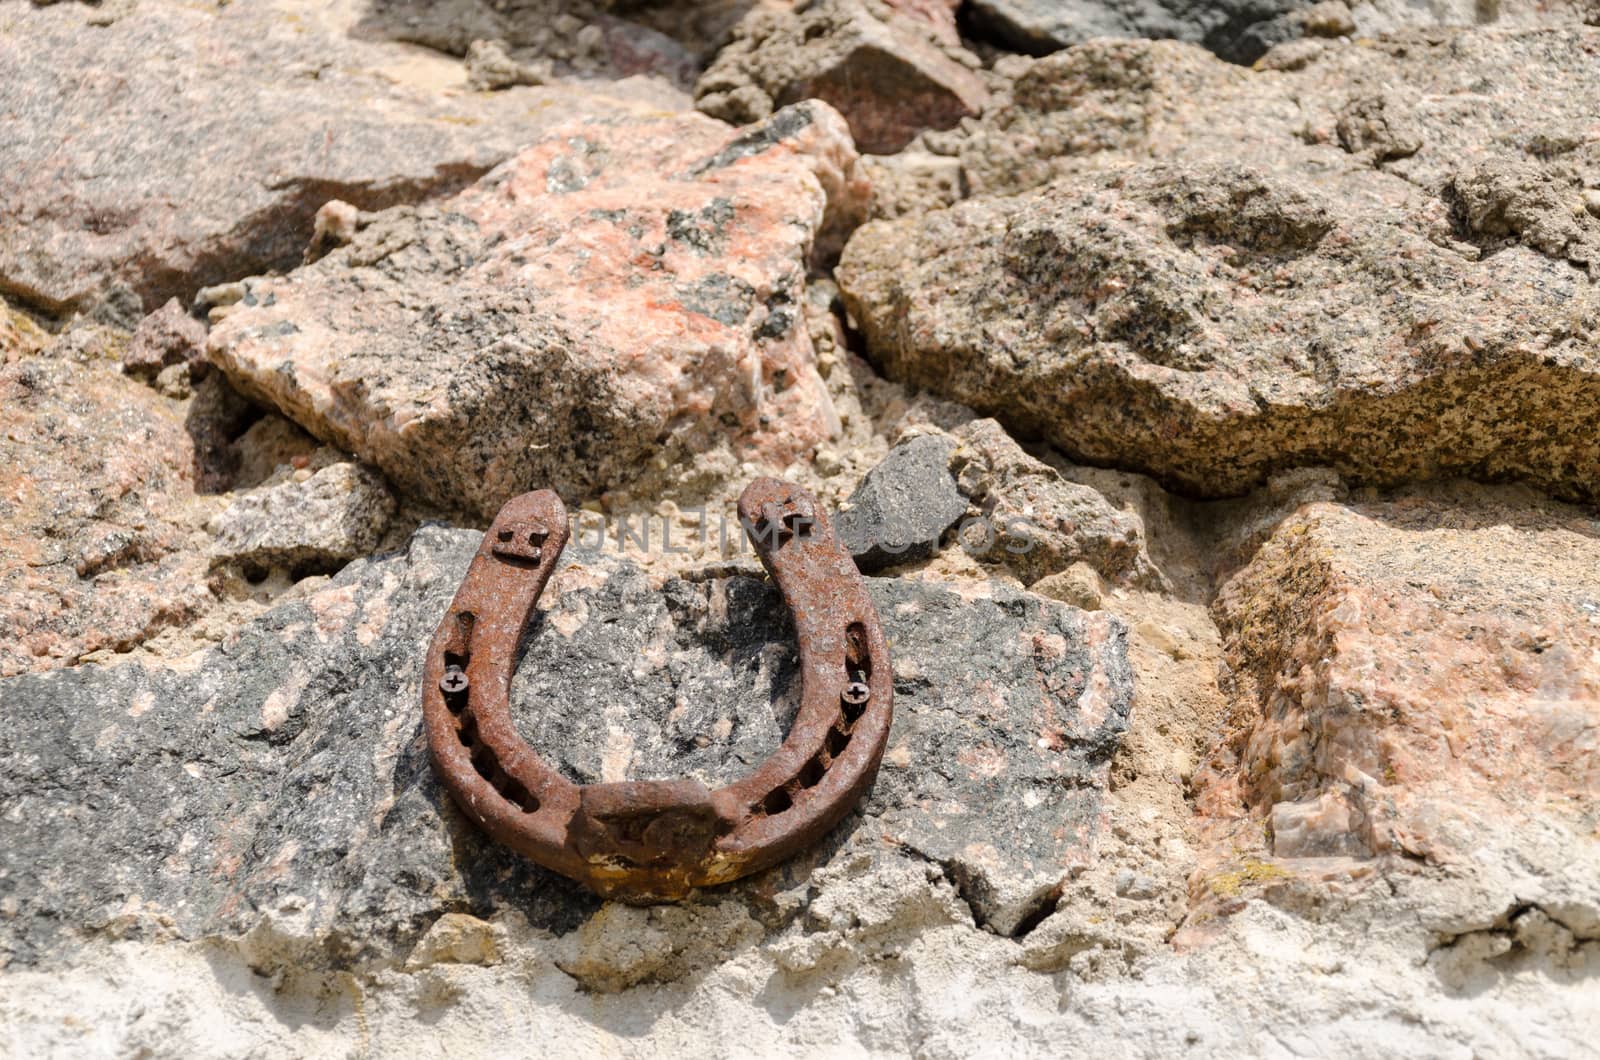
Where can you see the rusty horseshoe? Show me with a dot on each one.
(646, 841)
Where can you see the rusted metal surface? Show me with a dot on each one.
(646, 841)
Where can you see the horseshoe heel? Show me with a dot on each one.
(647, 841)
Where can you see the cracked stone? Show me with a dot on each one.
(1213, 324)
(167, 338)
(1040, 523)
(287, 768)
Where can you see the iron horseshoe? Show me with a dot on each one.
(649, 841)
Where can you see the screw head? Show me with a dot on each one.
(856, 693)
(453, 681)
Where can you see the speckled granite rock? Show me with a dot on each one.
(1040, 523)
(1429, 261)
(1421, 675)
(1211, 324)
(1110, 100)
(622, 290)
(996, 693)
(193, 145)
(96, 486)
(284, 772)
(902, 506)
(890, 73)
(335, 515)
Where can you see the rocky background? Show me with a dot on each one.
(1209, 389)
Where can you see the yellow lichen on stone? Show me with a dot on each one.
(1229, 884)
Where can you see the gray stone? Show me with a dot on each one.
(1499, 203)
(1237, 30)
(320, 522)
(284, 773)
(565, 39)
(193, 146)
(1382, 125)
(902, 506)
(490, 66)
(1240, 31)
(1115, 102)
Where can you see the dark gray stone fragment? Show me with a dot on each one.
(285, 772)
(1237, 30)
(902, 506)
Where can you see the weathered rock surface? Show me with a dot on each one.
(284, 772)
(96, 485)
(179, 146)
(1358, 263)
(1394, 288)
(1036, 522)
(1423, 676)
(1211, 324)
(902, 506)
(622, 290)
(891, 73)
(320, 522)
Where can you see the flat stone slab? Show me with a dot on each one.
(161, 147)
(284, 772)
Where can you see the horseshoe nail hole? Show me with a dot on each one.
(776, 802)
(468, 733)
(799, 525)
(515, 793)
(483, 760)
(505, 535)
(837, 741)
(811, 773)
(857, 660)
